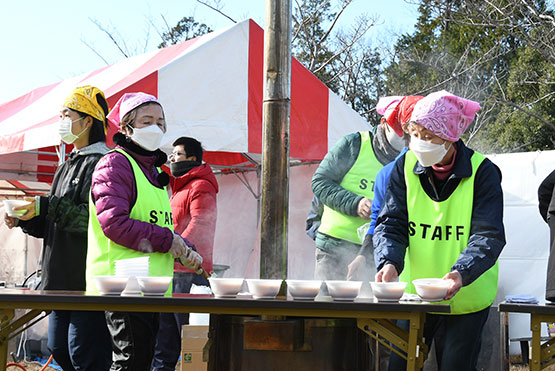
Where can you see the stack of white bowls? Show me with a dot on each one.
(132, 268)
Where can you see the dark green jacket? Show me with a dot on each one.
(337, 162)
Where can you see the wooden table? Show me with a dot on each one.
(543, 354)
(372, 317)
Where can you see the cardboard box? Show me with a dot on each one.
(193, 340)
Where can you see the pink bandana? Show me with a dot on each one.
(127, 103)
(445, 114)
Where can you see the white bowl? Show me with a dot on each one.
(343, 290)
(303, 289)
(110, 285)
(155, 286)
(10, 204)
(388, 291)
(264, 288)
(431, 289)
(225, 287)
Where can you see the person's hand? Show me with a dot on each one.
(9, 221)
(364, 208)
(356, 268)
(179, 247)
(388, 273)
(30, 209)
(455, 285)
(192, 260)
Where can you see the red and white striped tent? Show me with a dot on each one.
(211, 88)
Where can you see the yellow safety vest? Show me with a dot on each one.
(152, 206)
(438, 233)
(360, 180)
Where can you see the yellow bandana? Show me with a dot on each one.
(83, 99)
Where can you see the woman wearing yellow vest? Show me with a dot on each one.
(78, 340)
(443, 218)
(130, 216)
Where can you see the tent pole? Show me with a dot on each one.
(61, 153)
(275, 139)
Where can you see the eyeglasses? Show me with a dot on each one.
(176, 154)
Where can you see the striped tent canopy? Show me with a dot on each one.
(211, 88)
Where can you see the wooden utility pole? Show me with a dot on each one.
(275, 139)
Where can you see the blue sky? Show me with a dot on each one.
(44, 41)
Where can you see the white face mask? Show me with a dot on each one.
(64, 129)
(397, 142)
(427, 153)
(149, 137)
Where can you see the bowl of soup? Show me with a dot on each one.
(225, 287)
(343, 290)
(264, 288)
(304, 289)
(388, 291)
(431, 289)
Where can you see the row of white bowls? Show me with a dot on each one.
(430, 289)
(150, 286)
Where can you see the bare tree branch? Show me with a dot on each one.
(111, 37)
(217, 10)
(94, 51)
(526, 111)
(345, 4)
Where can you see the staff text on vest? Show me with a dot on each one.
(437, 232)
(165, 216)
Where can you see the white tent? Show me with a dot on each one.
(211, 89)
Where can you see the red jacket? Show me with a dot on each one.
(194, 211)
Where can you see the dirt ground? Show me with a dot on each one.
(37, 367)
(30, 366)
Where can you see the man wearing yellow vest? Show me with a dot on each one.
(344, 185)
(443, 218)
(130, 216)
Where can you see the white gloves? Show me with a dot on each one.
(187, 256)
(191, 260)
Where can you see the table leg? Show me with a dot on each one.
(416, 330)
(6, 315)
(504, 341)
(408, 345)
(9, 328)
(535, 359)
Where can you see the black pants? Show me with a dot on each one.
(168, 340)
(133, 339)
(79, 340)
(550, 284)
(458, 339)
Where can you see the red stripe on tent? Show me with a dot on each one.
(148, 84)
(309, 104)
(52, 159)
(309, 114)
(12, 107)
(160, 59)
(223, 158)
(256, 64)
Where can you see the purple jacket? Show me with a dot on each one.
(114, 193)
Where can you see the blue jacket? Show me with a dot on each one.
(487, 234)
(382, 178)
